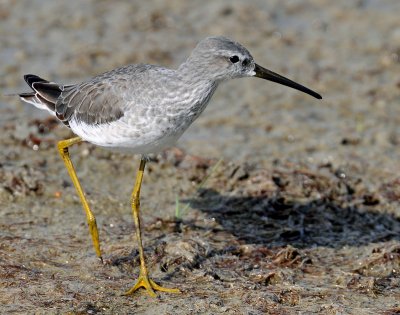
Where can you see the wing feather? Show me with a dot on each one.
(90, 103)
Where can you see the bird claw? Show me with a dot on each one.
(150, 286)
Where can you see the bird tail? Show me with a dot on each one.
(44, 94)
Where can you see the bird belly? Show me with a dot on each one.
(139, 138)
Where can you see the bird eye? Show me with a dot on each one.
(234, 59)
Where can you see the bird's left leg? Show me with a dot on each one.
(143, 280)
(63, 149)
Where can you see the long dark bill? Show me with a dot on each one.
(272, 76)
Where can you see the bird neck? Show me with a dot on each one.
(194, 72)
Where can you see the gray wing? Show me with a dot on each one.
(102, 99)
(97, 101)
(93, 102)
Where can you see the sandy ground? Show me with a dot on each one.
(300, 217)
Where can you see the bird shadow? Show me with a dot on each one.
(274, 221)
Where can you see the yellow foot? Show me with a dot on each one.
(150, 286)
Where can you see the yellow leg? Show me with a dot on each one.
(63, 149)
(143, 280)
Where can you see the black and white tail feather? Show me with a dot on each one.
(44, 94)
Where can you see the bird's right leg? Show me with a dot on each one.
(144, 280)
(63, 149)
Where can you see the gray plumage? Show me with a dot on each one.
(146, 108)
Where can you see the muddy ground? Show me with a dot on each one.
(299, 212)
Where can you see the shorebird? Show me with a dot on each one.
(143, 109)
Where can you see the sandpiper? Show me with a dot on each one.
(143, 109)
